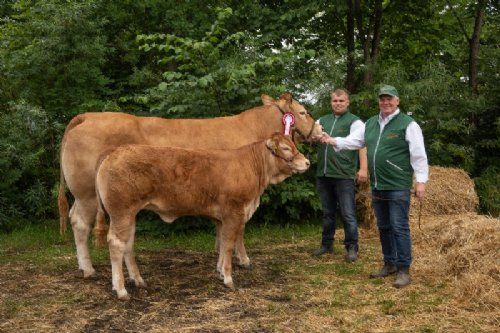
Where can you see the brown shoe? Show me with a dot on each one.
(386, 270)
(402, 278)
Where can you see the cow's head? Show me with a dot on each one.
(288, 158)
(304, 128)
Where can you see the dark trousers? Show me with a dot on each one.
(338, 194)
(391, 209)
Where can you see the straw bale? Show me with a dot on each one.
(449, 191)
(365, 213)
(463, 249)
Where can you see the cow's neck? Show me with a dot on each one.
(267, 119)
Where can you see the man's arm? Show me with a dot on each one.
(362, 175)
(418, 157)
(355, 140)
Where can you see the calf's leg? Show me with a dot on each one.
(118, 239)
(133, 269)
(228, 238)
(241, 253)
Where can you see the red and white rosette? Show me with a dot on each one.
(288, 120)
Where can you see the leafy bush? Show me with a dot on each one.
(26, 163)
(488, 190)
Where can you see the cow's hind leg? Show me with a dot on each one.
(82, 217)
(133, 270)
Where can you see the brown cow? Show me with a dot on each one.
(224, 185)
(89, 135)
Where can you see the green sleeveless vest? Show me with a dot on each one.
(388, 153)
(343, 164)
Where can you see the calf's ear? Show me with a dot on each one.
(271, 144)
(267, 100)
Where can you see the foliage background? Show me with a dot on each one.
(213, 58)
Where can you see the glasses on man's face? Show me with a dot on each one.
(338, 100)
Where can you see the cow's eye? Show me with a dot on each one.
(285, 148)
(303, 113)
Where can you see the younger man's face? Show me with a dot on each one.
(339, 103)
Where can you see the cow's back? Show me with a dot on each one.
(104, 131)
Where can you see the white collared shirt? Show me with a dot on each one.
(414, 137)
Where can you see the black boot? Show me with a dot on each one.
(387, 270)
(322, 250)
(351, 253)
(402, 277)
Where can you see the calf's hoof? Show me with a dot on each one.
(122, 295)
(136, 283)
(230, 285)
(248, 266)
(89, 274)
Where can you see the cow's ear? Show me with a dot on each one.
(287, 97)
(267, 100)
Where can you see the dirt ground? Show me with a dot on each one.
(286, 291)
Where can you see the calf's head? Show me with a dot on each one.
(289, 159)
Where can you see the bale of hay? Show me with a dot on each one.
(448, 191)
(464, 251)
(365, 213)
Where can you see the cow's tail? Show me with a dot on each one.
(62, 200)
(101, 228)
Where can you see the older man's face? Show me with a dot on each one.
(339, 103)
(388, 104)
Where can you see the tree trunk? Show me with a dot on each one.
(351, 65)
(371, 55)
(474, 46)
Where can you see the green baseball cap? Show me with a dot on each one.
(388, 90)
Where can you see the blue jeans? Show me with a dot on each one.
(339, 193)
(391, 209)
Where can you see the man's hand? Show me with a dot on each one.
(362, 176)
(326, 139)
(419, 190)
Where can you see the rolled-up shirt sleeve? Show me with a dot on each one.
(418, 156)
(355, 140)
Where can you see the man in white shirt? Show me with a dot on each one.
(396, 150)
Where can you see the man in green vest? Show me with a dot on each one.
(396, 151)
(336, 174)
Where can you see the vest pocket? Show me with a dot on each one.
(394, 165)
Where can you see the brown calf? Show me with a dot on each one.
(224, 185)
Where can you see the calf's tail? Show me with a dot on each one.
(101, 228)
